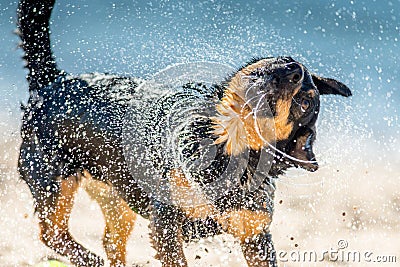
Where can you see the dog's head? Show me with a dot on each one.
(273, 101)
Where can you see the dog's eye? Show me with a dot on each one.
(305, 104)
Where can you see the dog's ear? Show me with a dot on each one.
(327, 86)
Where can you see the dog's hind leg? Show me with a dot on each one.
(54, 232)
(118, 216)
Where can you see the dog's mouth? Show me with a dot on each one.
(300, 149)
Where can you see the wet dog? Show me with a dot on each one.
(73, 135)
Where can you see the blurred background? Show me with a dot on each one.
(354, 197)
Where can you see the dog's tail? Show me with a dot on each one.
(33, 29)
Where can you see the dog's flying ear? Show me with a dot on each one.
(327, 86)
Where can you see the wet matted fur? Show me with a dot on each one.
(71, 137)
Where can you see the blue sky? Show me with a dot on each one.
(356, 42)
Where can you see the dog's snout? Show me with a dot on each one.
(295, 77)
(292, 66)
(289, 73)
(293, 72)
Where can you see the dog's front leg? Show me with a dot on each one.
(259, 250)
(166, 234)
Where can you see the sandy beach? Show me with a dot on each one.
(350, 205)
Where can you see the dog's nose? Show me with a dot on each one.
(293, 72)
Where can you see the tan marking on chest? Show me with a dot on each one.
(241, 224)
(191, 201)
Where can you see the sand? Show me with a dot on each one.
(352, 202)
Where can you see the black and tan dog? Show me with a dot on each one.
(72, 136)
